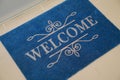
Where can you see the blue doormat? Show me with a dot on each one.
(62, 41)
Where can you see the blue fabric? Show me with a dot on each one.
(86, 35)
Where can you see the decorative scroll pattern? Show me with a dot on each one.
(71, 49)
(53, 27)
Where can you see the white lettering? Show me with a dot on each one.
(34, 54)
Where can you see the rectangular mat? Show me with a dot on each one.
(62, 41)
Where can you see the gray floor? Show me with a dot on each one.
(8, 8)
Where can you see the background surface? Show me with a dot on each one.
(104, 68)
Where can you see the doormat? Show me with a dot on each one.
(62, 41)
